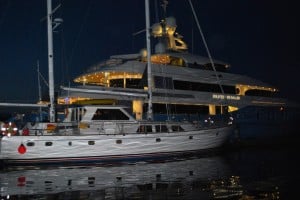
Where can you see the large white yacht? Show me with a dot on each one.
(185, 86)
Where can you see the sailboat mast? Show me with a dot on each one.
(50, 61)
(149, 70)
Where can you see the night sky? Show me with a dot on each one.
(258, 38)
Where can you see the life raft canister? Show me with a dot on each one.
(25, 132)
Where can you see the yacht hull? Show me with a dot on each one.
(105, 147)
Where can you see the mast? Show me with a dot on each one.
(149, 70)
(50, 61)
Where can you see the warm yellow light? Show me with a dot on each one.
(160, 59)
(244, 88)
(232, 108)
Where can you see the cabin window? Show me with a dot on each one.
(190, 137)
(30, 144)
(48, 143)
(208, 66)
(70, 143)
(161, 128)
(176, 128)
(163, 82)
(203, 87)
(77, 114)
(257, 92)
(144, 129)
(178, 109)
(130, 83)
(158, 139)
(177, 61)
(109, 114)
(91, 142)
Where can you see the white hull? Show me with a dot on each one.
(97, 148)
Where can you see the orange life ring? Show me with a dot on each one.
(9, 128)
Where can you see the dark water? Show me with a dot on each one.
(256, 172)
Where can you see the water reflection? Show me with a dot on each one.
(173, 178)
(247, 174)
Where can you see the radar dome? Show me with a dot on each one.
(143, 53)
(160, 48)
(156, 29)
(171, 21)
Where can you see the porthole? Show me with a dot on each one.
(48, 144)
(118, 141)
(190, 137)
(91, 181)
(30, 144)
(70, 143)
(158, 139)
(91, 142)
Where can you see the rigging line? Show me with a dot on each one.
(46, 83)
(63, 63)
(206, 47)
(165, 88)
(79, 33)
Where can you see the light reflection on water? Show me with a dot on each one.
(252, 173)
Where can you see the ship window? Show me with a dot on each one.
(30, 144)
(130, 83)
(161, 128)
(91, 142)
(70, 143)
(109, 114)
(48, 143)
(176, 128)
(190, 137)
(256, 92)
(144, 129)
(116, 83)
(158, 139)
(77, 114)
(133, 83)
(163, 82)
(205, 87)
(177, 61)
(163, 110)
